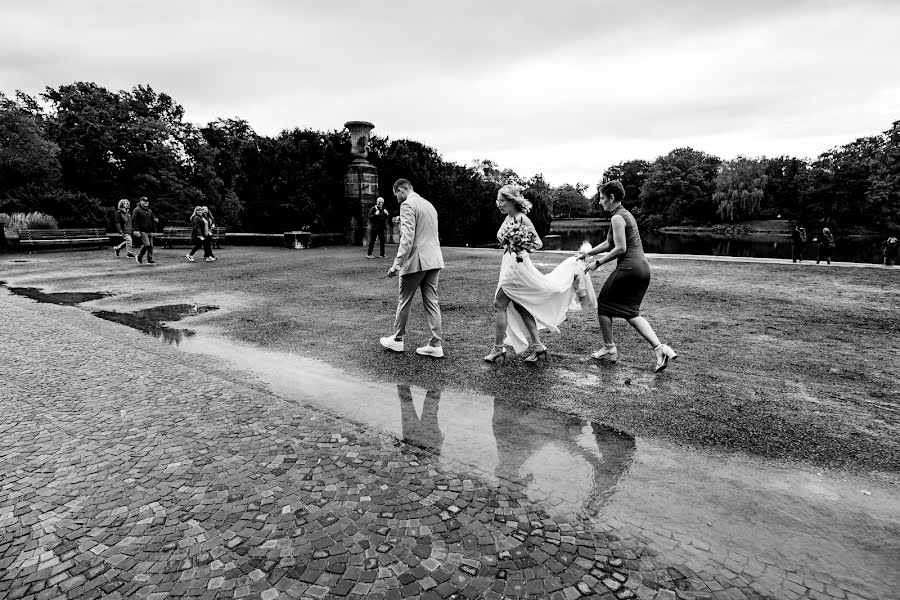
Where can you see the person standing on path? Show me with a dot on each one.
(624, 290)
(378, 219)
(826, 246)
(799, 242)
(124, 227)
(144, 224)
(889, 250)
(419, 262)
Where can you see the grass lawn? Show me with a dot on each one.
(780, 361)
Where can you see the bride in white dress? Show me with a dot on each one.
(528, 301)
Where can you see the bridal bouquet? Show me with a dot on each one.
(518, 238)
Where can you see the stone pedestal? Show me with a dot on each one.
(360, 190)
(360, 183)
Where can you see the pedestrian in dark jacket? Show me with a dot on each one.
(378, 219)
(123, 226)
(826, 246)
(144, 225)
(889, 250)
(799, 245)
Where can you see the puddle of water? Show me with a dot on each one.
(553, 455)
(575, 461)
(152, 321)
(62, 298)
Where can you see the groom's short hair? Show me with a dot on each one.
(402, 183)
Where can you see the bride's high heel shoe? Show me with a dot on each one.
(497, 352)
(537, 351)
(663, 355)
(608, 352)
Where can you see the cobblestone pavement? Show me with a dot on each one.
(130, 471)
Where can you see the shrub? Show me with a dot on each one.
(33, 220)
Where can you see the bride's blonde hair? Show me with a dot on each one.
(513, 193)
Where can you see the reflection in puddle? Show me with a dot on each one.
(62, 298)
(150, 320)
(552, 455)
(575, 462)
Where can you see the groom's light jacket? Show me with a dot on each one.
(420, 248)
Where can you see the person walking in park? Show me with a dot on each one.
(624, 290)
(826, 246)
(199, 236)
(378, 219)
(798, 237)
(419, 262)
(889, 251)
(144, 225)
(210, 230)
(124, 227)
(527, 300)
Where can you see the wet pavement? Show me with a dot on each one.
(205, 468)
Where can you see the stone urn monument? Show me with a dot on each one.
(360, 183)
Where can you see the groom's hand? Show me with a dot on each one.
(392, 272)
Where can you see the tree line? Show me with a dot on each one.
(76, 149)
(857, 184)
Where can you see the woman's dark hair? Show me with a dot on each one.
(614, 189)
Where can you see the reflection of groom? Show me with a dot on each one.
(419, 262)
(424, 431)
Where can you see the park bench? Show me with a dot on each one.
(62, 237)
(182, 235)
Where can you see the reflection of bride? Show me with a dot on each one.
(518, 443)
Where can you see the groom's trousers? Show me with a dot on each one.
(427, 282)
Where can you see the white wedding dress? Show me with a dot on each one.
(548, 297)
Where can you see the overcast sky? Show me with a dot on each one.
(563, 87)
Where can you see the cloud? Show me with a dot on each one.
(565, 87)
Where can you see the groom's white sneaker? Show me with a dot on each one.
(432, 351)
(392, 343)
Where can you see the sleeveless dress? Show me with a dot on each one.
(547, 297)
(624, 290)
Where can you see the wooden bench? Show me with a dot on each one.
(62, 237)
(175, 235)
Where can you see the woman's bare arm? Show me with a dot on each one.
(619, 245)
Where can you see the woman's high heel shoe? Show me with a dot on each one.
(608, 352)
(537, 351)
(497, 352)
(663, 355)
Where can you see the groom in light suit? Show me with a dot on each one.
(419, 262)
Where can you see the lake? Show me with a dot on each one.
(756, 245)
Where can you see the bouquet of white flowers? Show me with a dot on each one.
(518, 238)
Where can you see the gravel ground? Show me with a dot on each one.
(785, 361)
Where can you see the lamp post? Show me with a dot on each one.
(360, 183)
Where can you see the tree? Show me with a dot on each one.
(836, 185)
(27, 157)
(679, 187)
(883, 194)
(569, 201)
(632, 174)
(740, 189)
(784, 183)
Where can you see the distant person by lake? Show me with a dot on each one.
(826, 246)
(889, 250)
(798, 237)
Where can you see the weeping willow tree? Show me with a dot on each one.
(740, 189)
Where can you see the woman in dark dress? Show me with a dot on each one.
(624, 290)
